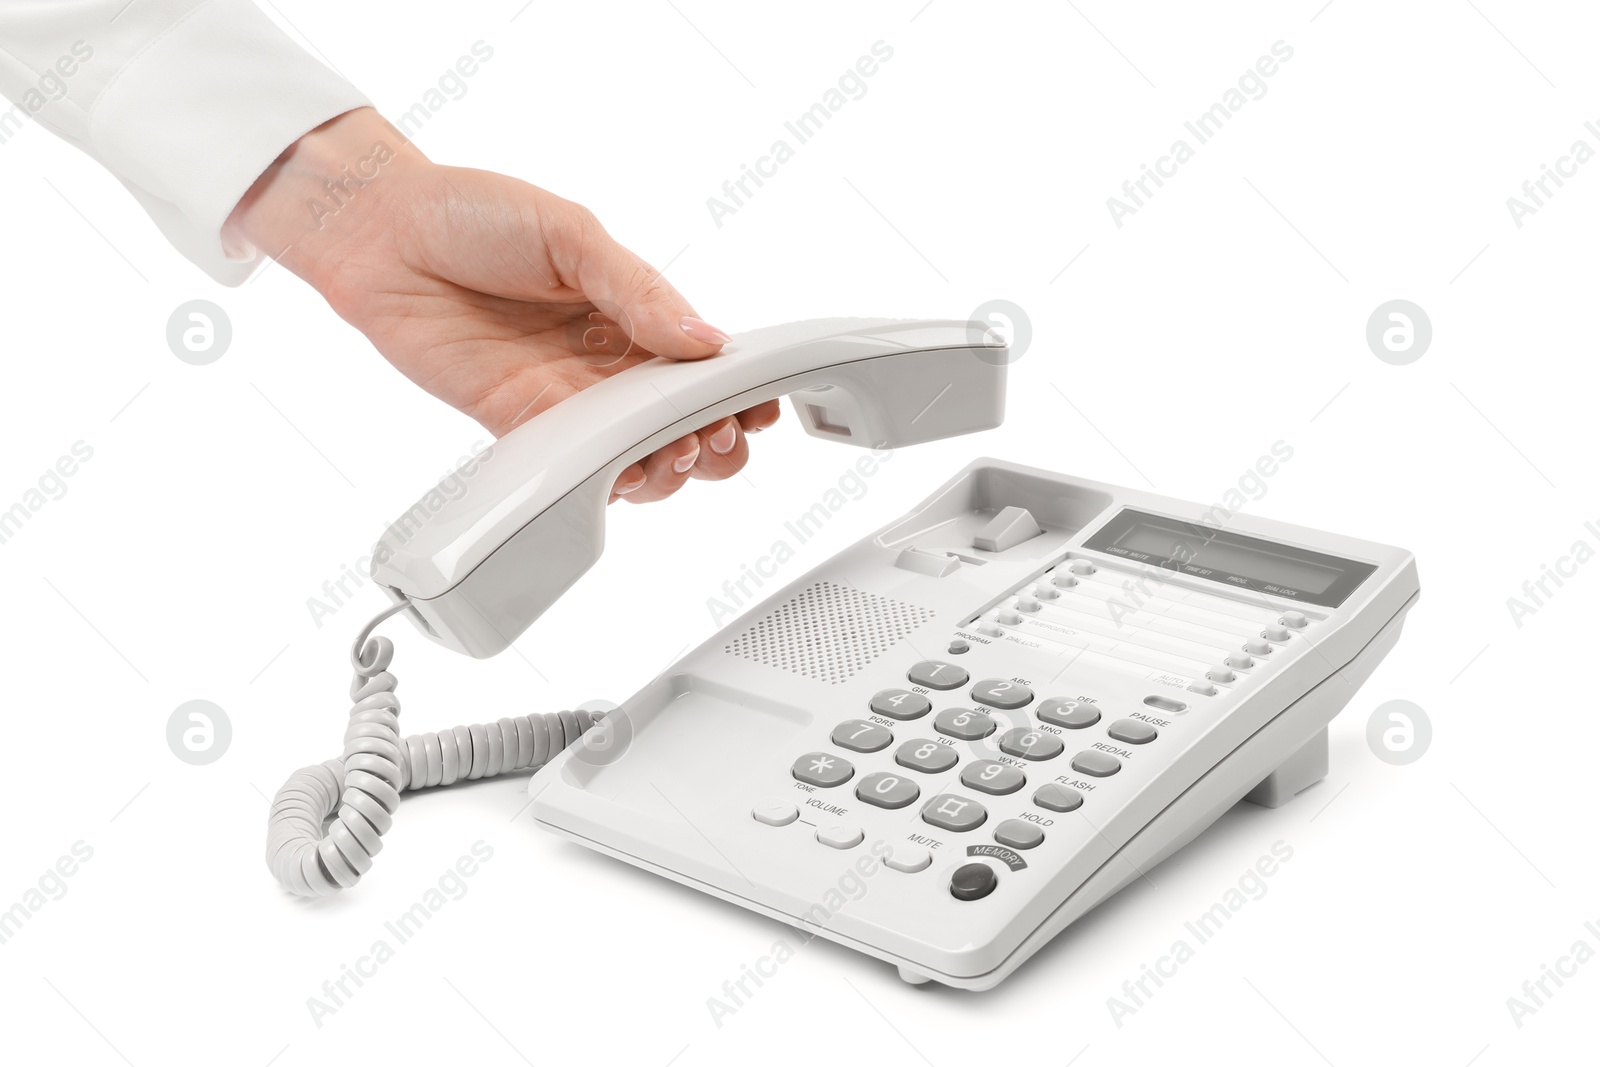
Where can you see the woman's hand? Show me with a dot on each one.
(497, 297)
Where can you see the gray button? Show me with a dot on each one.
(958, 647)
(887, 790)
(1132, 731)
(937, 675)
(1001, 693)
(859, 735)
(840, 835)
(950, 812)
(775, 812)
(1016, 833)
(1030, 744)
(1058, 797)
(992, 776)
(964, 723)
(1094, 762)
(928, 756)
(821, 768)
(973, 881)
(907, 858)
(901, 704)
(1073, 714)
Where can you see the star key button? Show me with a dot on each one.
(822, 769)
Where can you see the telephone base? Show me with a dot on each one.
(1301, 771)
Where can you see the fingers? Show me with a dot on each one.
(659, 474)
(760, 417)
(712, 453)
(654, 315)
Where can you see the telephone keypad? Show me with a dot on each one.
(901, 704)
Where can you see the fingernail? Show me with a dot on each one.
(702, 331)
(624, 488)
(722, 441)
(683, 463)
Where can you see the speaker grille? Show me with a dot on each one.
(828, 632)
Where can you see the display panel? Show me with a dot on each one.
(1230, 558)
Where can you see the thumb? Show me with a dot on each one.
(630, 292)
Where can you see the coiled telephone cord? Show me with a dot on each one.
(356, 795)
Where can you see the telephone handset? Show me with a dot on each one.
(475, 572)
(474, 569)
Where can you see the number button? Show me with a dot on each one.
(928, 756)
(1073, 714)
(1030, 744)
(936, 675)
(901, 704)
(992, 776)
(950, 812)
(964, 723)
(1000, 693)
(887, 790)
(822, 769)
(859, 735)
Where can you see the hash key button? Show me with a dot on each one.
(936, 675)
(950, 812)
(901, 704)
(1132, 731)
(822, 769)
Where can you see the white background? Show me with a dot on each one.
(1227, 314)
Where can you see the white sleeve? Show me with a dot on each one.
(187, 102)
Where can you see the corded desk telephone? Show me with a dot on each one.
(1002, 707)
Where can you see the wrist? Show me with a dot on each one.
(319, 195)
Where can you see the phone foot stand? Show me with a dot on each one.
(1301, 771)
